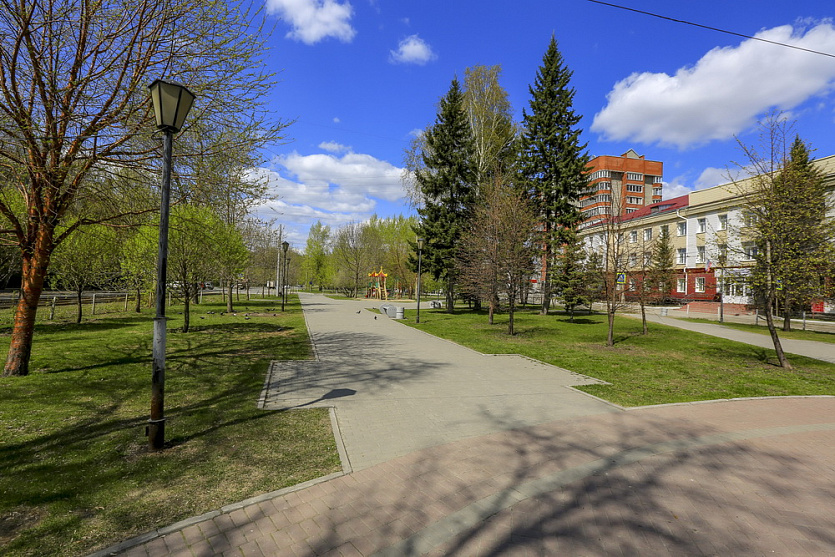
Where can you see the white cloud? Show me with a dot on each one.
(336, 120)
(334, 147)
(724, 93)
(412, 50)
(671, 191)
(315, 20)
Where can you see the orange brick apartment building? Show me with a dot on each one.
(620, 185)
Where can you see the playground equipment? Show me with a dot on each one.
(377, 288)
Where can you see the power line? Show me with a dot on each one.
(712, 28)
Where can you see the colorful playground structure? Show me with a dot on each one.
(377, 285)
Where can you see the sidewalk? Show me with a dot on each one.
(450, 458)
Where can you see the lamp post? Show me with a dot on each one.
(420, 255)
(284, 246)
(172, 103)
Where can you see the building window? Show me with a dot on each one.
(647, 234)
(633, 260)
(635, 176)
(647, 259)
(633, 284)
(656, 192)
(682, 256)
(702, 224)
(600, 174)
(681, 229)
(681, 285)
(749, 218)
(749, 251)
(700, 284)
(633, 236)
(635, 200)
(634, 188)
(723, 253)
(657, 180)
(630, 211)
(700, 254)
(723, 222)
(665, 229)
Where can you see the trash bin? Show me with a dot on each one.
(399, 313)
(663, 312)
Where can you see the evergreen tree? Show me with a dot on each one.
(662, 270)
(552, 159)
(446, 184)
(570, 274)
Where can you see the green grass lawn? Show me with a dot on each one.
(667, 365)
(795, 334)
(76, 471)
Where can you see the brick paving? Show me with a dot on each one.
(740, 477)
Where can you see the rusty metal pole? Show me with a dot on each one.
(156, 425)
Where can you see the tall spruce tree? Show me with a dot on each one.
(552, 159)
(570, 274)
(447, 187)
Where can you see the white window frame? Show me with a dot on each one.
(681, 229)
(681, 256)
(701, 254)
(702, 225)
(647, 234)
(633, 236)
(681, 285)
(700, 284)
(723, 222)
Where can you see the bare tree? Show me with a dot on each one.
(497, 252)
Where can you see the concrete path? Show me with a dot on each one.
(397, 389)
(574, 476)
(818, 350)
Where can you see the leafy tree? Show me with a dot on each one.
(570, 274)
(787, 208)
(352, 254)
(552, 159)
(74, 103)
(662, 272)
(138, 262)
(447, 188)
(491, 120)
(87, 258)
(317, 254)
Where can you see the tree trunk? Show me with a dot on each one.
(79, 306)
(510, 311)
(450, 297)
(772, 330)
(644, 317)
(610, 337)
(546, 266)
(186, 310)
(32, 281)
(138, 298)
(229, 308)
(787, 318)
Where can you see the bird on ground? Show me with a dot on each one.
(359, 310)
(375, 318)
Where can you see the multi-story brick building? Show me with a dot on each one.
(620, 185)
(710, 235)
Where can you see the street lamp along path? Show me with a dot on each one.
(172, 103)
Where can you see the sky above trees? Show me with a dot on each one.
(361, 77)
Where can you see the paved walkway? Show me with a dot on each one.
(471, 470)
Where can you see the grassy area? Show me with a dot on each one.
(668, 365)
(795, 334)
(77, 474)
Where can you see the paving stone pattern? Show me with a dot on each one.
(741, 477)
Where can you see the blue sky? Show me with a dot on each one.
(360, 77)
